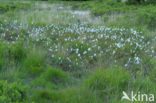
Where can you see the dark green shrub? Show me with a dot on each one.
(150, 1)
(147, 17)
(141, 1)
(12, 93)
(135, 1)
(13, 6)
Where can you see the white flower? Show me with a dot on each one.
(98, 47)
(94, 55)
(137, 60)
(113, 51)
(119, 45)
(85, 52)
(59, 58)
(89, 49)
(52, 55)
(77, 50)
(79, 55)
(50, 49)
(128, 40)
(126, 65)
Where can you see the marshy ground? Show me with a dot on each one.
(57, 53)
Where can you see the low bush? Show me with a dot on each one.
(141, 1)
(12, 92)
(135, 1)
(147, 17)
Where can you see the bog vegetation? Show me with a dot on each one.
(76, 51)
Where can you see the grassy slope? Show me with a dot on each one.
(28, 38)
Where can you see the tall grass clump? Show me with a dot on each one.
(1, 55)
(52, 78)
(102, 79)
(35, 62)
(12, 54)
(70, 95)
(45, 96)
(108, 82)
(55, 75)
(152, 72)
(19, 51)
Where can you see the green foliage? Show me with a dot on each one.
(150, 1)
(35, 62)
(147, 17)
(12, 92)
(141, 1)
(135, 1)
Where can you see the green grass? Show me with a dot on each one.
(53, 53)
(35, 62)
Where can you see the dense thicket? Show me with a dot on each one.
(134, 2)
(127, 1)
(141, 1)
